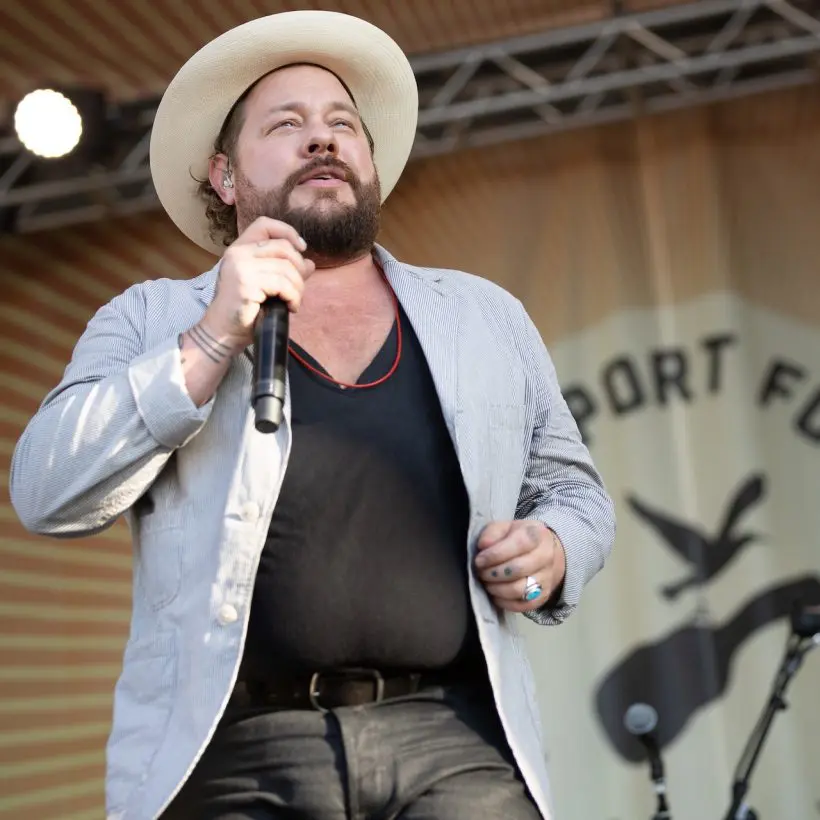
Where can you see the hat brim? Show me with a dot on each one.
(200, 96)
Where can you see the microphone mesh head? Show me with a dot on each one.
(640, 719)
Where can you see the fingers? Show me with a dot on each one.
(280, 278)
(264, 261)
(512, 591)
(519, 539)
(264, 228)
(516, 568)
(494, 532)
(511, 553)
(520, 605)
(282, 249)
(270, 267)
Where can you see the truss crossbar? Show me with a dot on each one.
(678, 56)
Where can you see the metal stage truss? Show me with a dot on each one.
(629, 64)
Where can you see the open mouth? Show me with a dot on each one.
(324, 176)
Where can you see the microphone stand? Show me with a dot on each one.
(796, 648)
(662, 812)
(659, 782)
(640, 720)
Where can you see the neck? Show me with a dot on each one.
(356, 281)
(353, 273)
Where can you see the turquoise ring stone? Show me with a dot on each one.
(532, 589)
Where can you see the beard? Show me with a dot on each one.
(335, 232)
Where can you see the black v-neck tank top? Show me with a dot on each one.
(365, 563)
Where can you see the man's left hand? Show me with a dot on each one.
(511, 551)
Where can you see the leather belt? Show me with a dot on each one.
(331, 690)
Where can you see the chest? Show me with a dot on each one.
(344, 336)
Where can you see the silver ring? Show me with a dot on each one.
(532, 589)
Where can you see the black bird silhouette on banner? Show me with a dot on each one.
(707, 556)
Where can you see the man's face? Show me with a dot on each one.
(303, 157)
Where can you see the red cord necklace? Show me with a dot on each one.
(381, 380)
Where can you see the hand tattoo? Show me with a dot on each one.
(534, 532)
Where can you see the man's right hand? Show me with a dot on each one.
(264, 261)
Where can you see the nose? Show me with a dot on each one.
(321, 140)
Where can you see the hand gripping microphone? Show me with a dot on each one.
(270, 364)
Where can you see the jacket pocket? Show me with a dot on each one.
(158, 559)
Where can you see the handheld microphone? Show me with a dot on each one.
(640, 720)
(270, 364)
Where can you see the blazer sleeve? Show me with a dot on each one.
(104, 433)
(561, 485)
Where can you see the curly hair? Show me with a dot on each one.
(222, 227)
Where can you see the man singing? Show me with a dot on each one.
(325, 619)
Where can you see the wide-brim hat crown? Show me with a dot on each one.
(201, 95)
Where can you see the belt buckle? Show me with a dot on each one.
(314, 693)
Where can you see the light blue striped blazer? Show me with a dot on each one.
(120, 422)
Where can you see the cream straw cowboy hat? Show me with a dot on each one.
(199, 98)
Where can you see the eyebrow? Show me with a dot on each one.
(297, 106)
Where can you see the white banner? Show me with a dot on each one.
(704, 420)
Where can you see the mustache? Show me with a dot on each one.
(321, 163)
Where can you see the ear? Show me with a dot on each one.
(221, 178)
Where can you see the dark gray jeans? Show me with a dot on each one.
(440, 754)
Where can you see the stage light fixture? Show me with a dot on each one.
(48, 123)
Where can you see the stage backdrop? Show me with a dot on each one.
(671, 266)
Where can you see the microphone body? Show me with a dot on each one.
(270, 364)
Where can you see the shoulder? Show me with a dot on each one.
(471, 285)
(153, 294)
(494, 306)
(155, 308)
(490, 303)
(166, 288)
(463, 285)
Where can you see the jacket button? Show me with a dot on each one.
(250, 511)
(227, 614)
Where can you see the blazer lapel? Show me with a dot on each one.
(434, 314)
(434, 311)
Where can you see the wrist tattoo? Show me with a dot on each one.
(214, 350)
